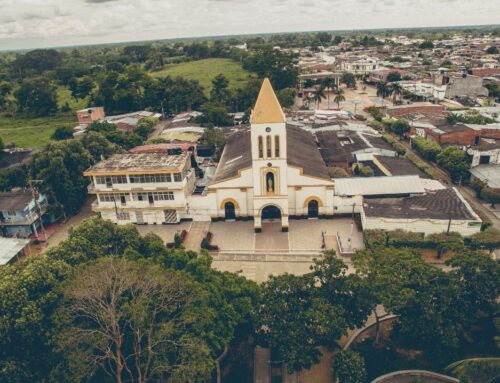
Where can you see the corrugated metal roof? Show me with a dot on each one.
(10, 247)
(378, 186)
(488, 173)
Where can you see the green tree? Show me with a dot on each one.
(318, 95)
(290, 302)
(493, 50)
(62, 133)
(486, 370)
(98, 146)
(349, 367)
(396, 91)
(426, 148)
(400, 127)
(492, 195)
(426, 45)
(455, 161)
(213, 139)
(286, 97)
(28, 299)
(349, 79)
(36, 97)
(488, 239)
(131, 320)
(220, 92)
(61, 165)
(389, 278)
(383, 90)
(339, 96)
(393, 77)
(81, 88)
(328, 84)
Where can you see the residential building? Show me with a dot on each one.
(142, 188)
(21, 212)
(11, 249)
(89, 115)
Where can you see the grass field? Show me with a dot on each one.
(32, 132)
(35, 132)
(205, 70)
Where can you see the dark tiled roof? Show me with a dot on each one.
(399, 166)
(237, 155)
(302, 152)
(332, 150)
(440, 204)
(15, 200)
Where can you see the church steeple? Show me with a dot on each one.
(267, 108)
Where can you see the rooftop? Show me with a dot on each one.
(399, 166)
(440, 204)
(373, 186)
(16, 200)
(267, 108)
(10, 247)
(139, 163)
(488, 173)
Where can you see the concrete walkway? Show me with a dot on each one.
(195, 235)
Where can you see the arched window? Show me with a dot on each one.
(277, 146)
(261, 147)
(270, 185)
(269, 147)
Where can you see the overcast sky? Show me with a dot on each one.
(42, 23)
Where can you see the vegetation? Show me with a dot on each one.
(455, 161)
(349, 367)
(426, 148)
(472, 116)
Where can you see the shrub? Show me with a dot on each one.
(62, 133)
(336, 172)
(375, 238)
(401, 238)
(398, 147)
(349, 367)
(375, 112)
(488, 239)
(426, 148)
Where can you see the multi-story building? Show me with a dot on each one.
(21, 212)
(359, 65)
(142, 188)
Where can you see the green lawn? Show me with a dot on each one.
(33, 132)
(205, 70)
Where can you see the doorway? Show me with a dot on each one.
(229, 211)
(271, 212)
(313, 209)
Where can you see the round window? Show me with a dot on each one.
(268, 129)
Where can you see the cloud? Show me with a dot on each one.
(36, 23)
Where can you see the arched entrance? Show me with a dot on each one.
(313, 209)
(271, 212)
(229, 210)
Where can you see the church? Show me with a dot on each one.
(268, 171)
(271, 170)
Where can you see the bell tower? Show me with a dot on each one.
(269, 155)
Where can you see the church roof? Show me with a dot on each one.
(302, 152)
(237, 155)
(267, 109)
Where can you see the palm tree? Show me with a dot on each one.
(328, 84)
(396, 90)
(339, 96)
(383, 91)
(318, 95)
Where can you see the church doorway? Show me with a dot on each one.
(271, 212)
(229, 210)
(312, 209)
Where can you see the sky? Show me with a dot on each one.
(44, 23)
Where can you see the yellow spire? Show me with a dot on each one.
(267, 108)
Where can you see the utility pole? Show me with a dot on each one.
(38, 210)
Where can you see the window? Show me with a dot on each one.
(261, 147)
(269, 147)
(177, 177)
(122, 216)
(100, 180)
(150, 178)
(107, 197)
(119, 179)
(154, 196)
(11, 213)
(277, 146)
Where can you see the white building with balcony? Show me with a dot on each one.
(142, 188)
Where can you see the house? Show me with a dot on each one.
(89, 115)
(489, 174)
(21, 212)
(436, 211)
(128, 122)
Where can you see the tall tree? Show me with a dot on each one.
(339, 96)
(129, 319)
(319, 95)
(220, 92)
(37, 97)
